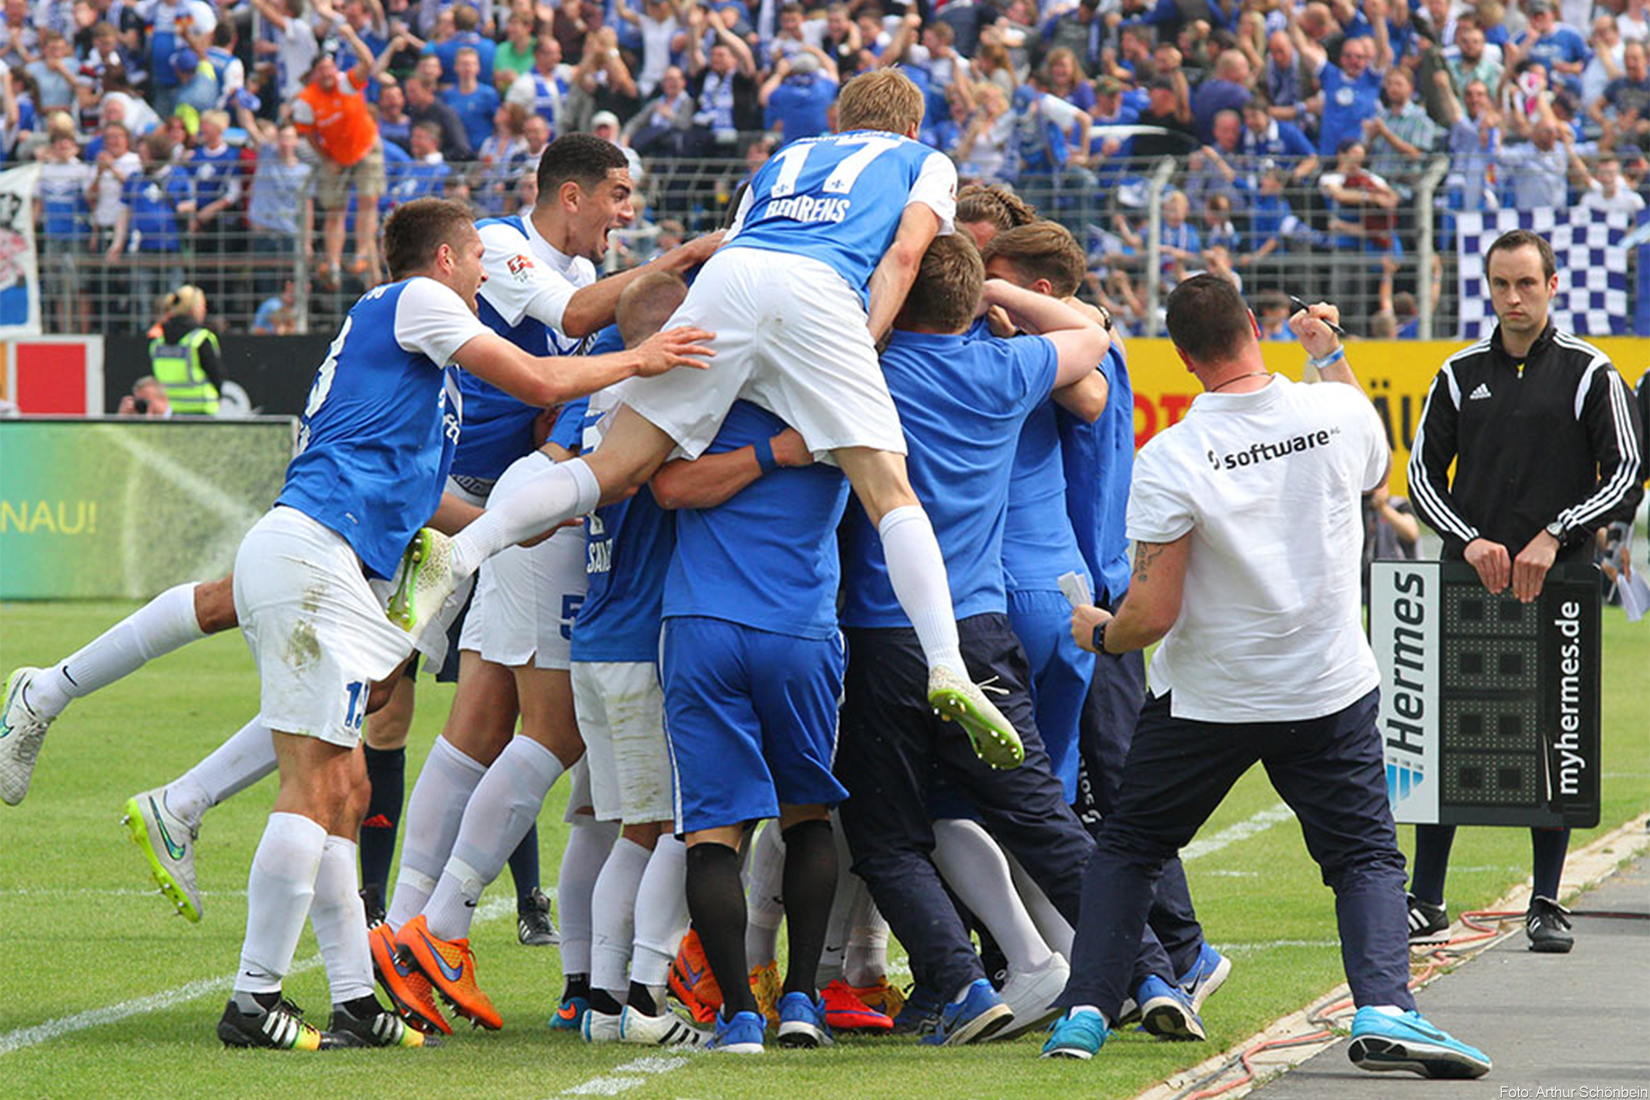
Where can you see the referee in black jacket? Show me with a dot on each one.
(1543, 436)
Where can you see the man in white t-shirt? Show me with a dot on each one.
(1246, 522)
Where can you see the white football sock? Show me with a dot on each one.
(429, 826)
(153, 630)
(866, 960)
(531, 496)
(340, 923)
(661, 913)
(1051, 925)
(588, 843)
(278, 894)
(837, 926)
(765, 909)
(227, 770)
(502, 808)
(974, 867)
(916, 571)
(613, 915)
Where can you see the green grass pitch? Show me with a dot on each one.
(87, 940)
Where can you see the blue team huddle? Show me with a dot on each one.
(843, 474)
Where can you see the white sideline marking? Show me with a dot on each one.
(158, 1002)
(617, 1079)
(1243, 830)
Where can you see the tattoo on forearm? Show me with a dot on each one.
(1145, 554)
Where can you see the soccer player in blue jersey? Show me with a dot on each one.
(752, 665)
(963, 403)
(826, 243)
(639, 908)
(1096, 451)
(1039, 545)
(542, 295)
(374, 446)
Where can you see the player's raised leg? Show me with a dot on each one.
(34, 697)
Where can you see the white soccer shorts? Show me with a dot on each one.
(525, 602)
(621, 710)
(790, 337)
(316, 627)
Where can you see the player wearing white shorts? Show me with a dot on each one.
(375, 442)
(638, 904)
(542, 274)
(829, 237)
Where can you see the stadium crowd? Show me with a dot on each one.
(174, 129)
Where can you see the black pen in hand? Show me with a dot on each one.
(1297, 305)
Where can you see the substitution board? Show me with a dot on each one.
(1489, 707)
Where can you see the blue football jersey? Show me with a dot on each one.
(627, 550)
(378, 432)
(767, 556)
(1039, 545)
(498, 428)
(962, 403)
(1099, 463)
(838, 199)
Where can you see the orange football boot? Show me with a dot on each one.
(767, 986)
(846, 1012)
(450, 966)
(692, 982)
(885, 998)
(408, 990)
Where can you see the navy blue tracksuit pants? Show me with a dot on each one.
(889, 744)
(1105, 732)
(1330, 772)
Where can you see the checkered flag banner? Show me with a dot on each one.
(1592, 268)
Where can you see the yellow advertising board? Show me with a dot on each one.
(1396, 373)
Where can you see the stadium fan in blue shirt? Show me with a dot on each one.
(752, 665)
(215, 166)
(374, 446)
(1352, 89)
(465, 19)
(1268, 138)
(963, 403)
(423, 173)
(796, 98)
(168, 23)
(471, 99)
(1562, 50)
(826, 241)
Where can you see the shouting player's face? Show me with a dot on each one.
(466, 274)
(602, 209)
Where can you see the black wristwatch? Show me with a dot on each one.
(1099, 639)
(1557, 530)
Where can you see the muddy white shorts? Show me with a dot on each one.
(316, 626)
(621, 710)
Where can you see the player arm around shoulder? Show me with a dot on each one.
(1079, 340)
(710, 480)
(552, 380)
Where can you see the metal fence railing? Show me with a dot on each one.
(1145, 225)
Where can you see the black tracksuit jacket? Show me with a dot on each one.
(1552, 437)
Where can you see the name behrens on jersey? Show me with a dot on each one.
(805, 208)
